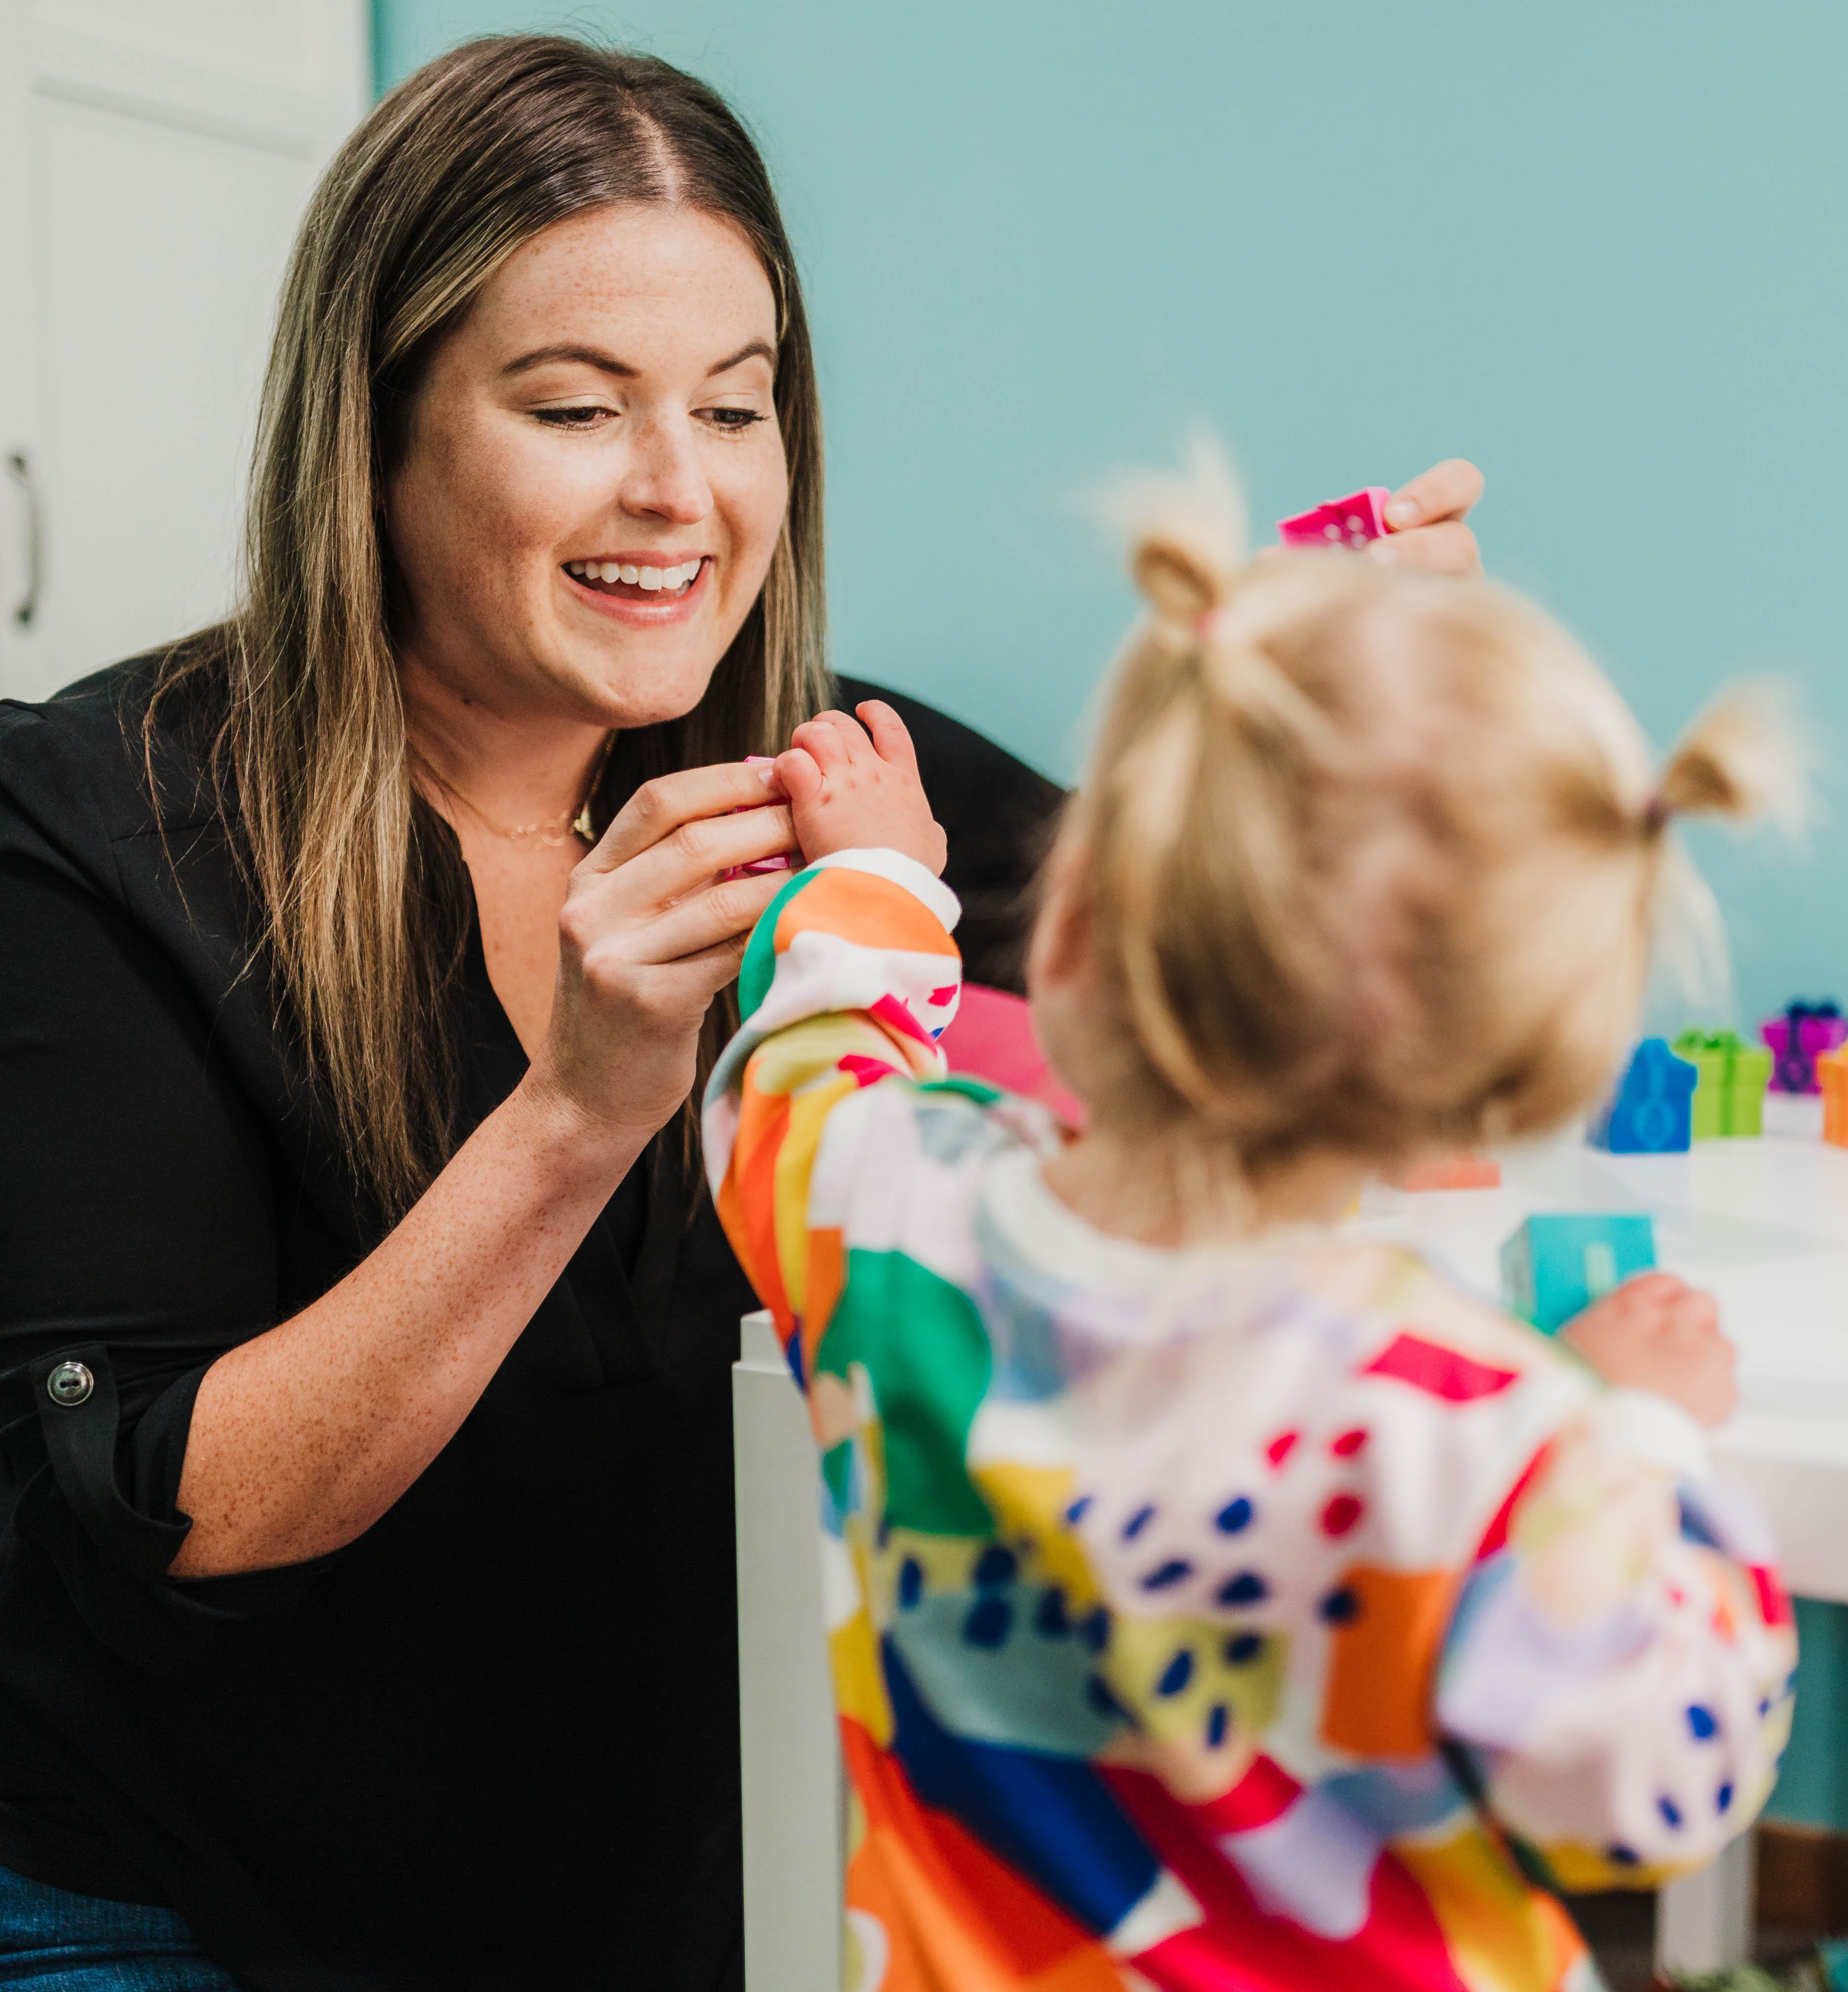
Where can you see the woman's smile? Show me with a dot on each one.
(643, 589)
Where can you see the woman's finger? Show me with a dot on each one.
(1448, 547)
(1445, 491)
(891, 737)
(690, 857)
(661, 807)
(724, 912)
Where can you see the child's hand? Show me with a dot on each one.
(1655, 1332)
(847, 792)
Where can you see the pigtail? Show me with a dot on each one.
(1208, 736)
(1741, 759)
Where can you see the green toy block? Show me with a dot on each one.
(1729, 1096)
(1555, 1267)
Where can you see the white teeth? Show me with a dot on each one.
(627, 573)
(650, 578)
(574, 567)
(606, 572)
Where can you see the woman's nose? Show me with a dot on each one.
(665, 479)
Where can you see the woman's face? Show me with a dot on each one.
(593, 481)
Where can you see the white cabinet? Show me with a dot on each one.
(155, 158)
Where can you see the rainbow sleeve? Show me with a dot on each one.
(850, 978)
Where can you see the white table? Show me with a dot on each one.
(1762, 1224)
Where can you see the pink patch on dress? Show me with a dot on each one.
(1773, 1603)
(866, 1071)
(1265, 1792)
(939, 997)
(1281, 1446)
(889, 1009)
(1341, 1515)
(1437, 1371)
(1349, 1443)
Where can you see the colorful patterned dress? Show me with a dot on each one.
(1219, 1620)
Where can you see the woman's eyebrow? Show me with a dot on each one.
(607, 363)
(588, 355)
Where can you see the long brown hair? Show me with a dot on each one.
(356, 880)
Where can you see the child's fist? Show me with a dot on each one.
(1655, 1332)
(853, 787)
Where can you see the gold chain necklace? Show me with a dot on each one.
(552, 831)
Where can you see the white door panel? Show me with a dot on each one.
(155, 157)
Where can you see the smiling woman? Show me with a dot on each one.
(365, 1584)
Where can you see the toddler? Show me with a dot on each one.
(1216, 1600)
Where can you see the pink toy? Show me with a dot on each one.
(992, 1037)
(1798, 1038)
(1343, 522)
(786, 861)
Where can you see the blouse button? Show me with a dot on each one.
(70, 1384)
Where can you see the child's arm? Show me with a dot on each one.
(1619, 1667)
(850, 978)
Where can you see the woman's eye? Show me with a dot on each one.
(571, 418)
(733, 418)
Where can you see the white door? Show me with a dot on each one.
(155, 158)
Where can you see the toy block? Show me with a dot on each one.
(1554, 1267)
(1832, 1075)
(1461, 1171)
(1651, 1111)
(1798, 1038)
(784, 860)
(1729, 1098)
(1351, 521)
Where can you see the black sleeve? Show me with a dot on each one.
(137, 1230)
(999, 816)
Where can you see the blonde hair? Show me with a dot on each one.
(358, 887)
(1372, 861)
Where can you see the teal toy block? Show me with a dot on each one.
(1554, 1267)
(1652, 1112)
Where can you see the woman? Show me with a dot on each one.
(366, 1321)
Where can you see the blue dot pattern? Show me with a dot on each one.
(910, 1583)
(1051, 1620)
(1218, 1720)
(994, 1566)
(990, 1620)
(1095, 1631)
(1670, 1811)
(1703, 1724)
(1176, 1570)
(1242, 1648)
(1246, 1588)
(1175, 1675)
(1340, 1608)
(1235, 1516)
(1138, 1522)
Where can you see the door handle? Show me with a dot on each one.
(19, 468)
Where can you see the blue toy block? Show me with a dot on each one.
(1554, 1267)
(1652, 1112)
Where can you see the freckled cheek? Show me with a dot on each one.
(752, 502)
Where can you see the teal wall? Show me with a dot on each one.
(1599, 248)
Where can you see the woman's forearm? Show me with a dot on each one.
(303, 1437)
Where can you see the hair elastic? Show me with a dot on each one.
(1655, 813)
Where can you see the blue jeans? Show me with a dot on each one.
(62, 1942)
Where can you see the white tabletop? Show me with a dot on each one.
(1763, 1225)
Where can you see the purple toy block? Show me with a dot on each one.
(1343, 522)
(1797, 1039)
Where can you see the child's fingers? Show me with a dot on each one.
(829, 746)
(891, 735)
(800, 777)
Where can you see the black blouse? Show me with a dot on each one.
(493, 1742)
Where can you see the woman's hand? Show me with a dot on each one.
(1427, 518)
(1655, 1332)
(650, 933)
(854, 787)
